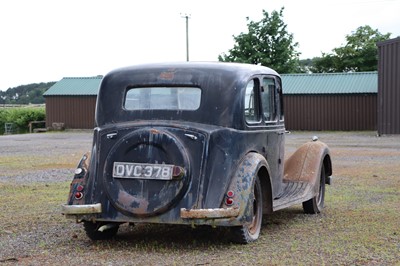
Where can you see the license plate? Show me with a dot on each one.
(142, 171)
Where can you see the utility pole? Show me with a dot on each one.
(186, 17)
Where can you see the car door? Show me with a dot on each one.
(273, 118)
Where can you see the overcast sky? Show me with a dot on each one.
(46, 40)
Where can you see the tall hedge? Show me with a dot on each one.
(20, 117)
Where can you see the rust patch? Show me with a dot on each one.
(294, 164)
(131, 203)
(304, 164)
(166, 75)
(154, 131)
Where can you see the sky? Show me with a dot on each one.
(46, 40)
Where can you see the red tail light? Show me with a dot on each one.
(78, 195)
(230, 194)
(229, 198)
(228, 201)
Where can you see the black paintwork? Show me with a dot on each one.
(209, 143)
(222, 87)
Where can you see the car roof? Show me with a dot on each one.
(221, 84)
(202, 65)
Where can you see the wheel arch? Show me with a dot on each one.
(327, 164)
(266, 189)
(253, 165)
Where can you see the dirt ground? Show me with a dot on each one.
(360, 224)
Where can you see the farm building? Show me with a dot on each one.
(343, 101)
(72, 101)
(389, 86)
(330, 101)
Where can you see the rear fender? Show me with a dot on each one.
(304, 165)
(242, 183)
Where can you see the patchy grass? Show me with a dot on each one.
(13, 165)
(30, 205)
(359, 225)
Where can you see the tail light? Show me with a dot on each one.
(229, 198)
(79, 194)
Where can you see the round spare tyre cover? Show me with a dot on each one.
(143, 197)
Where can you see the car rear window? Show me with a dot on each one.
(163, 98)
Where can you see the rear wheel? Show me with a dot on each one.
(249, 232)
(315, 205)
(107, 230)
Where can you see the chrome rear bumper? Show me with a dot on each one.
(218, 213)
(81, 209)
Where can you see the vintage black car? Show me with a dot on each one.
(193, 143)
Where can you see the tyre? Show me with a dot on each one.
(92, 230)
(249, 232)
(315, 205)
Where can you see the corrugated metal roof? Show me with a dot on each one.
(316, 83)
(330, 83)
(75, 86)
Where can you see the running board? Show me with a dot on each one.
(293, 193)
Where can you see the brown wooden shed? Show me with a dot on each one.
(389, 86)
(330, 101)
(72, 101)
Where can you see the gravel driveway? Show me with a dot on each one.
(35, 170)
(35, 149)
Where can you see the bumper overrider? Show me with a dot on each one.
(217, 213)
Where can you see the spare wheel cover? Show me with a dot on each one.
(146, 197)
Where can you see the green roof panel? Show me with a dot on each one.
(75, 87)
(330, 83)
(316, 83)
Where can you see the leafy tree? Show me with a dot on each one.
(25, 94)
(360, 53)
(306, 64)
(267, 43)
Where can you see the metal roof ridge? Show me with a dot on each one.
(94, 77)
(331, 74)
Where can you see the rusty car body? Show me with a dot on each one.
(193, 143)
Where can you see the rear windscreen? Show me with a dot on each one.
(163, 98)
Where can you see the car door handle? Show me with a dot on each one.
(283, 132)
(112, 135)
(191, 136)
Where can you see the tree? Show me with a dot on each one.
(24, 94)
(267, 43)
(360, 53)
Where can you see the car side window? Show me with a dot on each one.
(279, 101)
(251, 106)
(268, 99)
